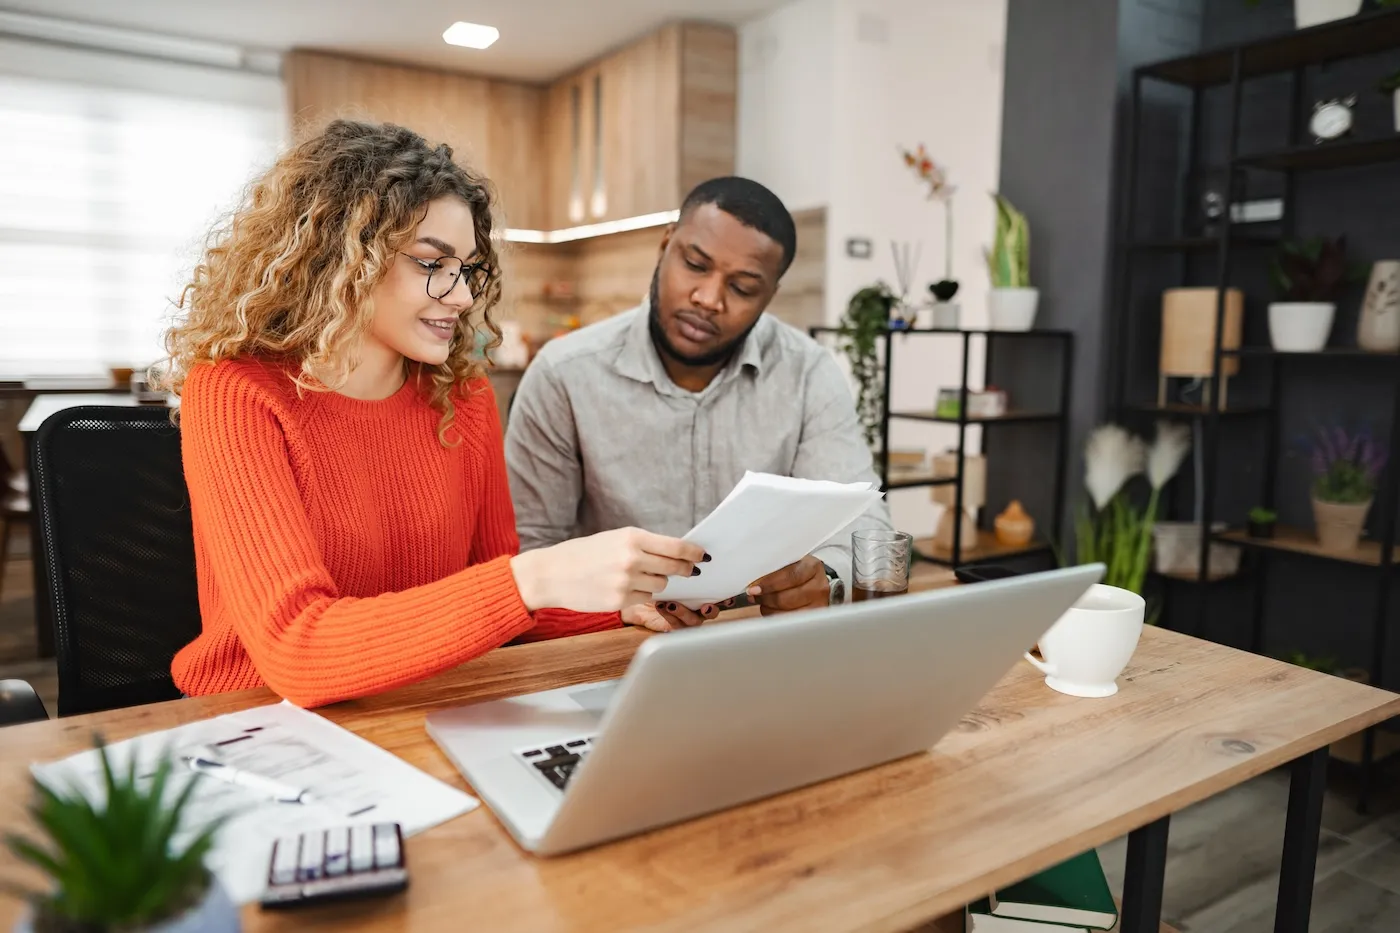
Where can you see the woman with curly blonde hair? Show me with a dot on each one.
(353, 525)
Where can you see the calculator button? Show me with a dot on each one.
(361, 848)
(534, 753)
(576, 743)
(284, 860)
(556, 750)
(311, 864)
(337, 851)
(386, 847)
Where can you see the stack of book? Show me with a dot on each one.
(1072, 897)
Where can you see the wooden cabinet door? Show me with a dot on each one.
(640, 98)
(558, 133)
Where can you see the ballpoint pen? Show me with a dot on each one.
(282, 793)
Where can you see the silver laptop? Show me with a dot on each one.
(714, 716)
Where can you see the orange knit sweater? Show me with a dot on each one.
(341, 549)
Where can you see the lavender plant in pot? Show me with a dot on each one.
(1308, 275)
(125, 863)
(1346, 470)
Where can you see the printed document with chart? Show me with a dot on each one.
(350, 781)
(765, 523)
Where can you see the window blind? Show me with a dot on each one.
(106, 195)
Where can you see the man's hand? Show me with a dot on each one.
(666, 617)
(802, 585)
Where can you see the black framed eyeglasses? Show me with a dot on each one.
(445, 271)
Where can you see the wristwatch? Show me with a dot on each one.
(836, 587)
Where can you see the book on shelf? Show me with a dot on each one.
(980, 919)
(1074, 892)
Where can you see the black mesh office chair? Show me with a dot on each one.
(117, 553)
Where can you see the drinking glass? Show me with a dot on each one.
(880, 564)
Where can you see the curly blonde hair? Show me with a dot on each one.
(288, 275)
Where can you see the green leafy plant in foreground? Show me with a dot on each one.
(114, 866)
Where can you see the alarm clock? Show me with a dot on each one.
(1332, 119)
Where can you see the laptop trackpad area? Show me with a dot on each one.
(595, 698)
(501, 727)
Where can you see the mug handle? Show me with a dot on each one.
(1047, 669)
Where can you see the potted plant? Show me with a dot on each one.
(1111, 527)
(117, 865)
(1346, 470)
(1315, 12)
(1308, 275)
(945, 313)
(1013, 301)
(1390, 84)
(867, 317)
(1261, 522)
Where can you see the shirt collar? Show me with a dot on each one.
(639, 359)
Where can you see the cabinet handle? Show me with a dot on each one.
(598, 204)
(576, 156)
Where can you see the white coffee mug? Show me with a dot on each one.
(1088, 647)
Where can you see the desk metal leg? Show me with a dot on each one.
(1143, 880)
(1295, 881)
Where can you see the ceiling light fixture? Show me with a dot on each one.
(471, 35)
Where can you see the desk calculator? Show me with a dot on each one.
(344, 862)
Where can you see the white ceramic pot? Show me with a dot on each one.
(1300, 326)
(1395, 99)
(1339, 524)
(215, 914)
(1012, 308)
(1312, 12)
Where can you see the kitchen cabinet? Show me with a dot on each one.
(633, 132)
(494, 127)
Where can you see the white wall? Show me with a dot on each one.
(829, 90)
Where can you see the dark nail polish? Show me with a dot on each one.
(706, 559)
(695, 571)
(670, 607)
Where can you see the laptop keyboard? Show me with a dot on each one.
(558, 762)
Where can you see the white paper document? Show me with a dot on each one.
(349, 780)
(765, 523)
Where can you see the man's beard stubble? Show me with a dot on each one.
(666, 348)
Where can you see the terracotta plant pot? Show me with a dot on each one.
(1339, 524)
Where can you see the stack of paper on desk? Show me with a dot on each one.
(765, 523)
(352, 781)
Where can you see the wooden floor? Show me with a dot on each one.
(1222, 867)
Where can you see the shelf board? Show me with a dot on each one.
(1011, 417)
(1189, 243)
(1363, 34)
(1182, 576)
(1338, 352)
(1298, 541)
(1182, 410)
(912, 479)
(986, 548)
(1328, 155)
(954, 331)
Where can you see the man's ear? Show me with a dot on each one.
(665, 239)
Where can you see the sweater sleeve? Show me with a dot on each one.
(495, 535)
(308, 643)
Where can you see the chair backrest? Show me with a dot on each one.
(117, 553)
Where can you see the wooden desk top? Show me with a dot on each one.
(1030, 777)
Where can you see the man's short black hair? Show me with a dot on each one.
(753, 206)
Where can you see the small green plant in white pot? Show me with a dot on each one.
(1013, 300)
(114, 865)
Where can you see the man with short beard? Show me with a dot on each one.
(649, 419)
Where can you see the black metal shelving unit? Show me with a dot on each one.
(986, 549)
(1229, 68)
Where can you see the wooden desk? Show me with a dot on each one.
(1030, 777)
